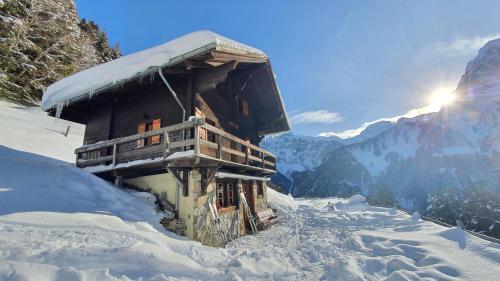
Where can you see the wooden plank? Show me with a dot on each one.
(166, 143)
(196, 140)
(221, 55)
(114, 153)
(236, 139)
(247, 159)
(183, 183)
(183, 143)
(209, 144)
(233, 151)
(95, 161)
(253, 158)
(176, 127)
(269, 163)
(145, 152)
(219, 146)
(229, 163)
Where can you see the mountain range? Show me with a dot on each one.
(410, 159)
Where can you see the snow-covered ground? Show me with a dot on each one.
(30, 129)
(58, 222)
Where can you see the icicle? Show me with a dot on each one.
(59, 109)
(152, 78)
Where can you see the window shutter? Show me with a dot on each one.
(141, 129)
(244, 108)
(156, 125)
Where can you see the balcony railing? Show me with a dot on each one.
(205, 141)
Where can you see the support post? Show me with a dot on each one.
(118, 181)
(212, 171)
(219, 146)
(183, 181)
(197, 140)
(114, 154)
(77, 158)
(247, 159)
(166, 141)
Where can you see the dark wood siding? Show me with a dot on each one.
(98, 122)
(222, 106)
(136, 103)
(119, 113)
(146, 102)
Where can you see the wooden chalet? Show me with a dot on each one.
(183, 120)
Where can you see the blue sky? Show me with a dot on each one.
(339, 64)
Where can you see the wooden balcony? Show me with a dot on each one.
(190, 144)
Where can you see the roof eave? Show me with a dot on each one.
(288, 126)
(175, 60)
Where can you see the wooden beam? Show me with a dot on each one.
(176, 127)
(166, 143)
(210, 78)
(210, 176)
(219, 146)
(183, 181)
(236, 139)
(221, 55)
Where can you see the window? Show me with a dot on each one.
(155, 125)
(220, 195)
(230, 194)
(149, 126)
(226, 195)
(260, 188)
(210, 135)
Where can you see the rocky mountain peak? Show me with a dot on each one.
(481, 79)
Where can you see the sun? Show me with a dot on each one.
(442, 97)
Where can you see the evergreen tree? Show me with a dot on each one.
(444, 205)
(476, 207)
(42, 41)
(382, 196)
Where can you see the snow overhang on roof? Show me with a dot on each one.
(113, 74)
(117, 72)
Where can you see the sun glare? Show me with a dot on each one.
(442, 97)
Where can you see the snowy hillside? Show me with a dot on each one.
(30, 129)
(457, 147)
(58, 222)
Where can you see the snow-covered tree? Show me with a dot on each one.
(476, 207)
(42, 42)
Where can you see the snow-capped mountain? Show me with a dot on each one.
(296, 153)
(456, 147)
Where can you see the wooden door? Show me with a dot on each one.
(247, 190)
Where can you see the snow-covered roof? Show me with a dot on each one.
(114, 73)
